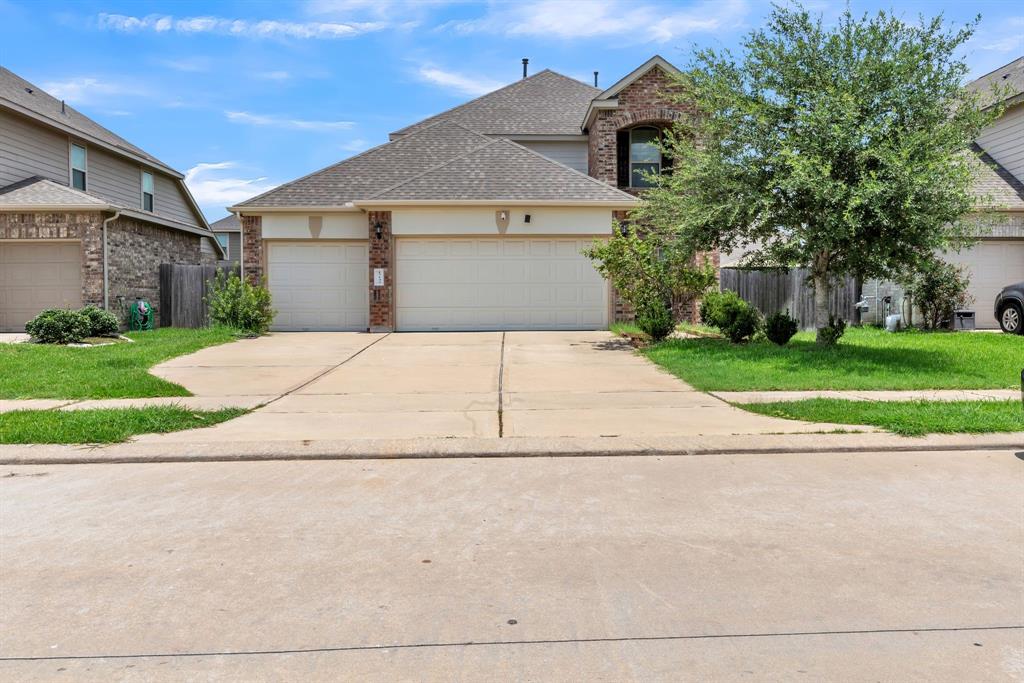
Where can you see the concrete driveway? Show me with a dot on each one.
(477, 384)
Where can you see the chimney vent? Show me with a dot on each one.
(525, 62)
(595, 79)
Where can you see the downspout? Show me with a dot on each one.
(106, 282)
(241, 245)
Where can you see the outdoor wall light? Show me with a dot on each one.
(503, 215)
(378, 230)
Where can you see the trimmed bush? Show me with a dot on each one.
(835, 329)
(780, 327)
(58, 326)
(236, 303)
(656, 320)
(736, 318)
(101, 323)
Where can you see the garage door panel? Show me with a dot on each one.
(992, 265)
(319, 286)
(35, 276)
(497, 283)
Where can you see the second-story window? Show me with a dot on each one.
(644, 156)
(78, 166)
(147, 191)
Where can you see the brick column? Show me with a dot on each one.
(382, 314)
(622, 312)
(252, 248)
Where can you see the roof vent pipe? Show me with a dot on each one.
(595, 79)
(525, 62)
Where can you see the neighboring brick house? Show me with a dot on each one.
(69, 188)
(471, 219)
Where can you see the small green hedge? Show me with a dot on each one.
(64, 326)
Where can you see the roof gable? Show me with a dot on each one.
(625, 81)
(502, 171)
(1009, 78)
(546, 103)
(367, 173)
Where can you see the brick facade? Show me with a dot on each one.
(382, 309)
(643, 101)
(252, 248)
(135, 250)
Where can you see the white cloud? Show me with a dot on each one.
(1008, 44)
(632, 22)
(214, 190)
(357, 145)
(460, 83)
(279, 75)
(91, 90)
(186, 64)
(236, 27)
(273, 121)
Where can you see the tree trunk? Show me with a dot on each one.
(819, 276)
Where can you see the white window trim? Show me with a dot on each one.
(226, 246)
(142, 190)
(645, 163)
(71, 164)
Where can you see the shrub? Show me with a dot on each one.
(655, 319)
(736, 318)
(831, 333)
(58, 326)
(937, 288)
(101, 323)
(780, 327)
(236, 303)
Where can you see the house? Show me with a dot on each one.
(86, 217)
(473, 219)
(228, 232)
(997, 258)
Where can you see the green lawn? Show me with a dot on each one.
(865, 358)
(104, 425)
(909, 418)
(114, 371)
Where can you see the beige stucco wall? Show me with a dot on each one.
(294, 226)
(481, 221)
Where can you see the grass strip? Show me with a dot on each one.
(103, 425)
(908, 418)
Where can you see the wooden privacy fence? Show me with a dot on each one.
(771, 290)
(183, 291)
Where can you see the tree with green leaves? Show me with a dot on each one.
(649, 269)
(842, 148)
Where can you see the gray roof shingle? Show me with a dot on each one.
(16, 91)
(1009, 78)
(503, 171)
(999, 188)
(38, 191)
(546, 103)
(227, 224)
(367, 173)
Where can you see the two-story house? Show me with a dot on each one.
(473, 219)
(997, 258)
(86, 217)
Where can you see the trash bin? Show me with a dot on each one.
(963, 320)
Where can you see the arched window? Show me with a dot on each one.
(644, 155)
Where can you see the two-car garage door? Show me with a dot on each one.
(498, 283)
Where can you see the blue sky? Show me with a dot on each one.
(242, 96)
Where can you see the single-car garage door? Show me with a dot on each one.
(35, 276)
(993, 264)
(319, 285)
(499, 283)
